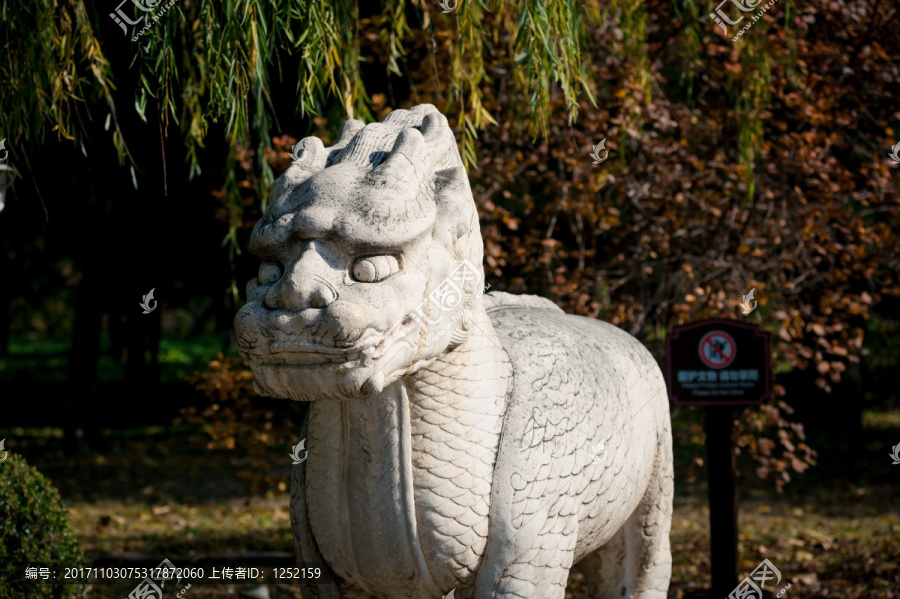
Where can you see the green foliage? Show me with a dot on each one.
(753, 99)
(34, 530)
(207, 62)
(211, 62)
(689, 13)
(548, 48)
(52, 62)
(45, 359)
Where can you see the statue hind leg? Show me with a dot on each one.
(637, 562)
(604, 569)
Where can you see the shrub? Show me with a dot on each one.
(34, 530)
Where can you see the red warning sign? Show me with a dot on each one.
(704, 367)
(717, 349)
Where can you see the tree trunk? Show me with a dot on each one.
(5, 302)
(81, 404)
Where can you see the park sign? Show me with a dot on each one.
(718, 362)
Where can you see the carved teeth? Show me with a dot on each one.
(374, 384)
(368, 356)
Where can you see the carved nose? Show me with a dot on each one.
(299, 289)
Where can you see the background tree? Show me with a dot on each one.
(757, 163)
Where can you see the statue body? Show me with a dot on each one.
(457, 440)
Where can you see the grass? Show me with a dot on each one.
(152, 527)
(161, 491)
(835, 557)
(45, 360)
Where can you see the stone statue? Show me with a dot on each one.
(456, 440)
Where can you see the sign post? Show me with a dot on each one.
(720, 364)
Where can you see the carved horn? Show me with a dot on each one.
(309, 158)
(440, 142)
(350, 128)
(407, 156)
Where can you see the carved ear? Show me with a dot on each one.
(454, 202)
(310, 153)
(309, 158)
(441, 144)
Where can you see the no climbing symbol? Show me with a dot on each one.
(717, 349)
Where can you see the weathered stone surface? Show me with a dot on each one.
(457, 440)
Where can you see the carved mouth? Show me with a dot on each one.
(299, 354)
(295, 354)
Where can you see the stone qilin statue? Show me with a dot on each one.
(457, 440)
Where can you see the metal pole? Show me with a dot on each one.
(723, 499)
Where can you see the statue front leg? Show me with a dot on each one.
(524, 581)
(532, 565)
(351, 591)
(304, 544)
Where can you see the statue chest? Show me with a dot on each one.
(398, 489)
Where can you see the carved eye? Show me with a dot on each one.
(373, 269)
(269, 272)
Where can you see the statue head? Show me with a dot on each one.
(371, 261)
